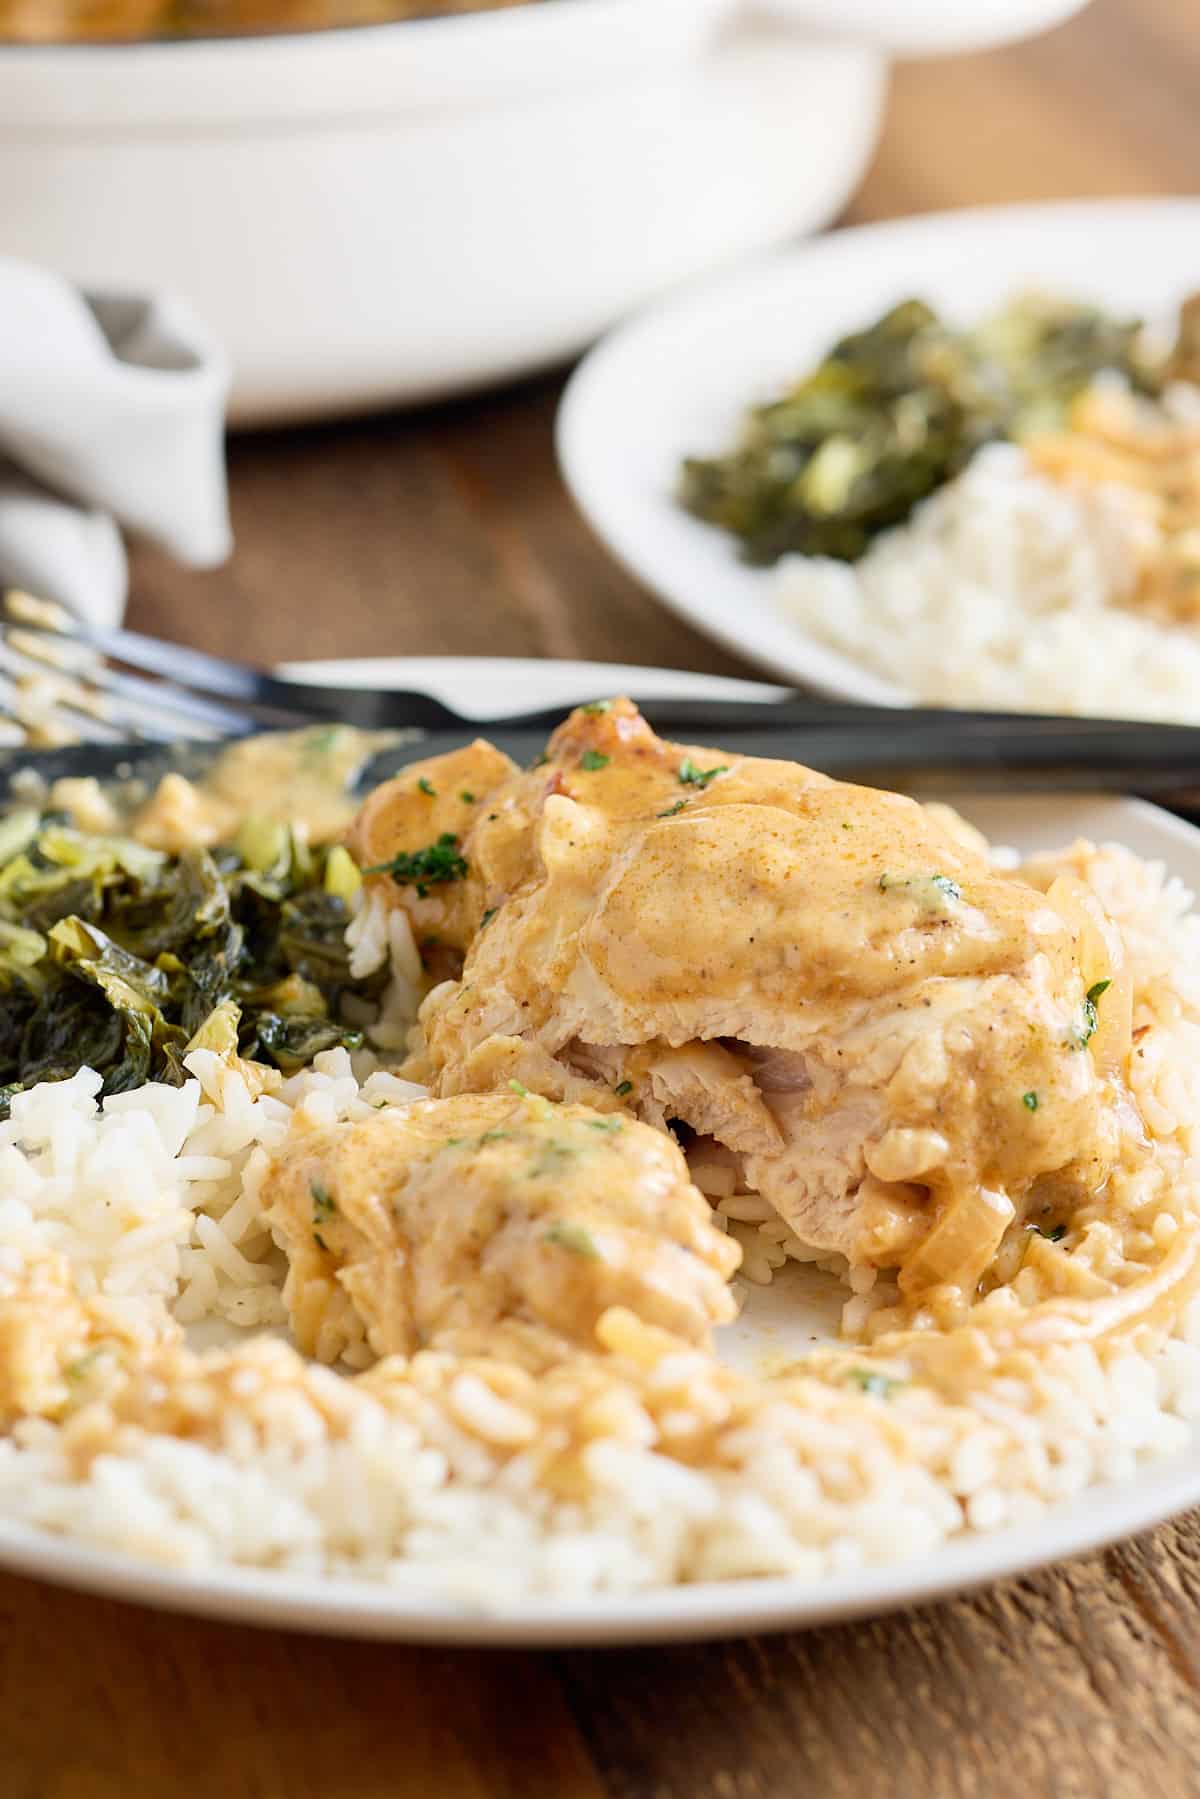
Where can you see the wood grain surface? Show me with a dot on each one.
(448, 531)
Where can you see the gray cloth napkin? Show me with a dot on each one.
(111, 414)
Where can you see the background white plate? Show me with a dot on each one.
(677, 381)
(793, 1309)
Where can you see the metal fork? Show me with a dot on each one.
(118, 687)
(99, 678)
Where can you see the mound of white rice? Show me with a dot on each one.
(1005, 590)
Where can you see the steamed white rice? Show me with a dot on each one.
(1005, 590)
(487, 1486)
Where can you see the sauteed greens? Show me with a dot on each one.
(120, 957)
(893, 412)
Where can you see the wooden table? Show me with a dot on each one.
(448, 531)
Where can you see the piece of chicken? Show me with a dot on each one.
(450, 1218)
(890, 1038)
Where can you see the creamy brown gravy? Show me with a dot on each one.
(628, 901)
(300, 778)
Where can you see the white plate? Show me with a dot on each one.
(712, 1609)
(677, 381)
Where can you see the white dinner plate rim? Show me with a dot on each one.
(629, 523)
(338, 1606)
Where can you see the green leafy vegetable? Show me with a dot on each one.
(595, 706)
(593, 759)
(622, 1088)
(894, 411)
(672, 810)
(427, 786)
(1030, 1101)
(124, 959)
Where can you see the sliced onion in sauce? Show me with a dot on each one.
(1101, 959)
(961, 1244)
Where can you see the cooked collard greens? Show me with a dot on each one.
(895, 411)
(120, 957)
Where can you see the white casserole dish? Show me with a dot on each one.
(397, 212)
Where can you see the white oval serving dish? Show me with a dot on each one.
(393, 213)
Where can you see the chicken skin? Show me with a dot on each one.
(834, 991)
(446, 1220)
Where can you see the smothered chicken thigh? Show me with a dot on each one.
(906, 1052)
(450, 1219)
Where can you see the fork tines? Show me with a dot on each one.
(56, 687)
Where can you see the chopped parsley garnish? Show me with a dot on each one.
(320, 1242)
(934, 891)
(595, 706)
(427, 786)
(320, 741)
(83, 1365)
(1084, 1032)
(1030, 1101)
(495, 1137)
(436, 864)
(554, 1152)
(672, 810)
(487, 917)
(540, 1106)
(691, 776)
(468, 799)
(872, 1381)
(622, 1088)
(324, 1204)
(592, 760)
(573, 1237)
(1053, 1233)
(604, 1124)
